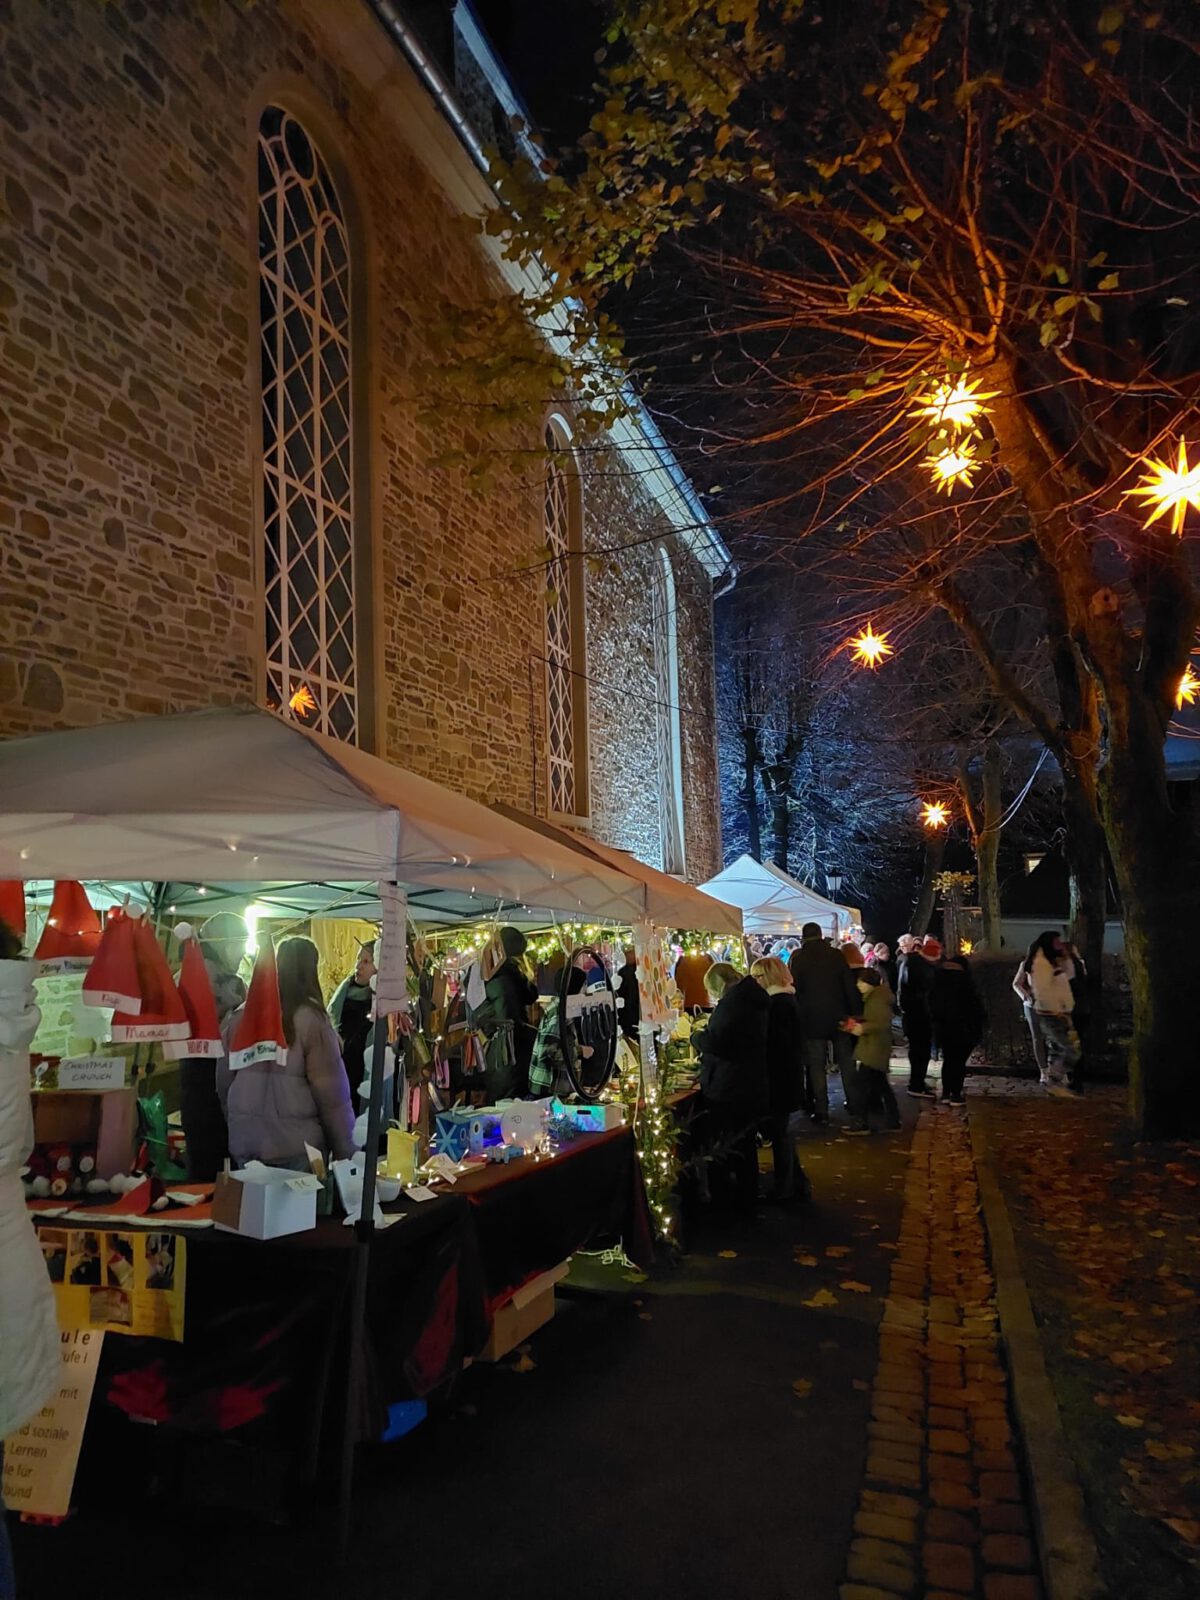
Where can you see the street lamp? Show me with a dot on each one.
(834, 881)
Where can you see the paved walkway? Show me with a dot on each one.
(811, 1406)
(942, 1508)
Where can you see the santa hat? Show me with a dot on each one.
(161, 1015)
(112, 978)
(195, 990)
(71, 936)
(12, 904)
(258, 1035)
(931, 948)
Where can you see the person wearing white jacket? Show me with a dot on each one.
(29, 1341)
(1050, 969)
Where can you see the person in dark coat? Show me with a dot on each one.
(733, 1077)
(827, 995)
(505, 1020)
(785, 1075)
(627, 993)
(912, 996)
(957, 1013)
(350, 1012)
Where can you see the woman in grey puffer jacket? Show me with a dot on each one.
(274, 1109)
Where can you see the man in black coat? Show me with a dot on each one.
(627, 993)
(912, 996)
(827, 994)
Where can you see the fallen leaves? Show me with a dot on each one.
(852, 1287)
(802, 1388)
(727, 1255)
(805, 1260)
(836, 1251)
(820, 1299)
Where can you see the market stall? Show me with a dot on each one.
(242, 810)
(776, 905)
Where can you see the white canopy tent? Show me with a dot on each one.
(670, 902)
(229, 798)
(771, 902)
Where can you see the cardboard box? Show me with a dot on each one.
(530, 1308)
(265, 1202)
(598, 1119)
(106, 1118)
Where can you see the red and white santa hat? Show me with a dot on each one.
(195, 990)
(112, 978)
(12, 904)
(161, 1015)
(258, 1035)
(71, 936)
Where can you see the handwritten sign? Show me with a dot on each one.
(40, 1459)
(92, 1072)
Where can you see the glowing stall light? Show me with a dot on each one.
(951, 464)
(934, 814)
(1171, 489)
(966, 946)
(1189, 688)
(953, 402)
(869, 648)
(252, 916)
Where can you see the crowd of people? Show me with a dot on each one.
(775, 1035)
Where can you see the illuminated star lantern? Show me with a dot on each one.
(1171, 489)
(1189, 688)
(953, 402)
(951, 464)
(966, 946)
(302, 701)
(934, 814)
(868, 648)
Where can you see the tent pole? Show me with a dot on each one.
(364, 1230)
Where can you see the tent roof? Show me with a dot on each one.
(241, 796)
(773, 902)
(670, 903)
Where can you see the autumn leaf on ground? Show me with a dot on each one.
(1187, 1530)
(855, 1288)
(523, 1363)
(806, 1261)
(859, 1383)
(727, 1255)
(645, 1316)
(1127, 1421)
(837, 1250)
(821, 1298)
(802, 1388)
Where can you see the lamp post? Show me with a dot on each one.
(834, 881)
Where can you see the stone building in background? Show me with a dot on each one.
(228, 229)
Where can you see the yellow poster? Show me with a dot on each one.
(40, 1459)
(122, 1282)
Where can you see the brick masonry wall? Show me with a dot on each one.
(129, 436)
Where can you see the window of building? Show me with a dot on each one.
(668, 743)
(305, 296)
(566, 702)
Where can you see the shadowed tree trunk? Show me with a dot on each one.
(983, 819)
(750, 790)
(935, 853)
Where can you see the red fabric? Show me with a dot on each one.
(195, 991)
(162, 1015)
(12, 903)
(72, 928)
(261, 1022)
(112, 978)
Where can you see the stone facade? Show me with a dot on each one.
(130, 495)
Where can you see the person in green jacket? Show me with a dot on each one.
(873, 1051)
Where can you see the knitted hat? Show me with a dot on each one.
(71, 936)
(195, 990)
(258, 1033)
(112, 978)
(12, 904)
(161, 1015)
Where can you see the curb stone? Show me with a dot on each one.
(1069, 1558)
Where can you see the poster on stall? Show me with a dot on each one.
(120, 1282)
(391, 982)
(656, 986)
(40, 1459)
